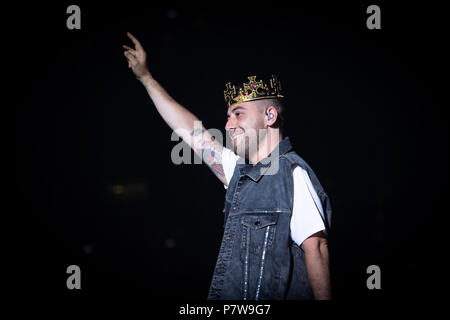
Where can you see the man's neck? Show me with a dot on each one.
(266, 147)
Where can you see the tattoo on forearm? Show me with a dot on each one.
(217, 168)
(196, 132)
(211, 158)
(209, 151)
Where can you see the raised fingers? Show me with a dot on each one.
(130, 50)
(136, 42)
(131, 58)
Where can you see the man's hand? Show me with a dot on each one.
(179, 119)
(137, 58)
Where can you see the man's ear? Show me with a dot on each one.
(271, 115)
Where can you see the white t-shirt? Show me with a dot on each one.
(306, 219)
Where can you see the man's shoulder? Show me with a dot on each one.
(292, 159)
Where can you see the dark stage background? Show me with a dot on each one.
(95, 182)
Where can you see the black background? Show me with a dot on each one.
(365, 110)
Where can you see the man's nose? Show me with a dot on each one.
(231, 124)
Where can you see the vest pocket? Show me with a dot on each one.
(258, 230)
(259, 221)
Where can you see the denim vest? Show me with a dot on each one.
(257, 257)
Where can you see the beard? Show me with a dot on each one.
(239, 146)
(245, 145)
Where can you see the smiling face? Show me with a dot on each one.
(243, 126)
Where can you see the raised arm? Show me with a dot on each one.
(179, 119)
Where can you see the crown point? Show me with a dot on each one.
(253, 90)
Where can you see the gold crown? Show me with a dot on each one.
(253, 90)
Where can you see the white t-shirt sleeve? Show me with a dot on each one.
(306, 219)
(229, 159)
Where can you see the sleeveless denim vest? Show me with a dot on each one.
(257, 257)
